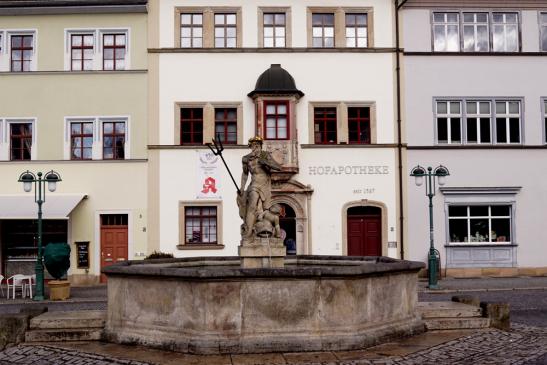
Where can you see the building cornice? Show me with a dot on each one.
(49, 7)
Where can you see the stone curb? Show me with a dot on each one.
(452, 291)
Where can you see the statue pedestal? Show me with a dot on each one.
(257, 253)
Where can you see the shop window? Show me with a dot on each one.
(226, 125)
(191, 126)
(191, 30)
(485, 224)
(276, 115)
(449, 117)
(113, 140)
(20, 141)
(81, 140)
(200, 225)
(359, 125)
(325, 125)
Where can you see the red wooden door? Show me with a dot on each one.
(364, 235)
(113, 246)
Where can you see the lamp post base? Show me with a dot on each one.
(38, 298)
(433, 287)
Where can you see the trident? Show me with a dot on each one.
(217, 151)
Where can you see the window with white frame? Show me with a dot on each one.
(114, 50)
(508, 122)
(81, 140)
(480, 32)
(95, 138)
(478, 122)
(81, 51)
(21, 52)
(543, 25)
(446, 32)
(17, 139)
(480, 224)
(475, 32)
(449, 120)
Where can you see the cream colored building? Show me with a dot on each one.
(74, 100)
(316, 80)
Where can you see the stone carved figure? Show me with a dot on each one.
(255, 202)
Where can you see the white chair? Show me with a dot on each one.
(17, 280)
(27, 287)
(1, 279)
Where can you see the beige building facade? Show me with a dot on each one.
(74, 100)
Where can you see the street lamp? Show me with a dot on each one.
(51, 178)
(420, 174)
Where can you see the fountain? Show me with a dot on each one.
(261, 301)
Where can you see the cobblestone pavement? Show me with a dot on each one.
(523, 345)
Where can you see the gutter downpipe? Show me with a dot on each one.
(398, 7)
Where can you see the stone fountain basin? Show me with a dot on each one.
(213, 306)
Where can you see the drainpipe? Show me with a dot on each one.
(398, 5)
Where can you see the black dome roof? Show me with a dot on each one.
(275, 80)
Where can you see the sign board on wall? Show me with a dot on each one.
(208, 181)
(82, 255)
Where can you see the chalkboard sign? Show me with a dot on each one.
(82, 254)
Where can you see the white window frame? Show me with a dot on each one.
(475, 24)
(446, 23)
(97, 148)
(507, 117)
(5, 53)
(505, 24)
(97, 46)
(449, 116)
(489, 217)
(5, 143)
(478, 115)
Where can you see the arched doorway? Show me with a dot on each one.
(364, 231)
(287, 221)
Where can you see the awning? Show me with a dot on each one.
(56, 206)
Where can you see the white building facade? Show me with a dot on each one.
(475, 102)
(316, 81)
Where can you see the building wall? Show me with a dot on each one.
(494, 166)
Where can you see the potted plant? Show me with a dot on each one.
(57, 262)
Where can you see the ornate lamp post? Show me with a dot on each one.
(440, 173)
(51, 178)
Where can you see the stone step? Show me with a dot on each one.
(69, 320)
(456, 323)
(448, 310)
(57, 335)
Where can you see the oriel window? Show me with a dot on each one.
(277, 119)
(113, 140)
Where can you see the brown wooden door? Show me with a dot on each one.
(113, 245)
(364, 235)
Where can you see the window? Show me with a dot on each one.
(20, 141)
(545, 120)
(113, 140)
(226, 125)
(114, 219)
(507, 122)
(478, 122)
(356, 30)
(324, 125)
(191, 126)
(21, 52)
(81, 52)
(449, 117)
(481, 32)
(543, 25)
(114, 49)
(191, 30)
(505, 32)
(479, 224)
(81, 140)
(200, 225)
(225, 30)
(274, 30)
(446, 32)
(475, 32)
(323, 30)
(277, 119)
(359, 125)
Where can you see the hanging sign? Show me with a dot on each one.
(208, 183)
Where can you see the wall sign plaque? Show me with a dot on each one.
(82, 255)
